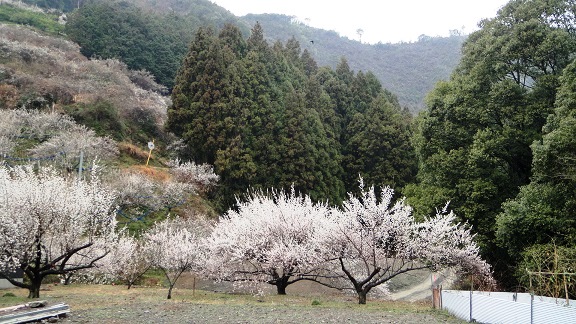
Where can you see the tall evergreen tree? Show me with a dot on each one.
(200, 112)
(379, 148)
(267, 116)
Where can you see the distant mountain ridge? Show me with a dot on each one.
(409, 70)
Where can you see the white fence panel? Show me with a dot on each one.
(550, 312)
(457, 303)
(502, 307)
(490, 309)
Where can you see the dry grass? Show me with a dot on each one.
(133, 151)
(88, 297)
(151, 172)
(116, 304)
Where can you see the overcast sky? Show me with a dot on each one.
(388, 21)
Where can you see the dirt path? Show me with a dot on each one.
(423, 290)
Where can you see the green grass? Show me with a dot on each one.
(44, 22)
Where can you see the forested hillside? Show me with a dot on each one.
(268, 117)
(144, 35)
(154, 36)
(496, 140)
(60, 109)
(39, 72)
(409, 70)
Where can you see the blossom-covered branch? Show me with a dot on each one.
(46, 219)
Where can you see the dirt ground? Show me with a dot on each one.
(197, 301)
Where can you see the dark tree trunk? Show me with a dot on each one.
(281, 284)
(362, 297)
(34, 288)
(281, 289)
(170, 292)
(67, 278)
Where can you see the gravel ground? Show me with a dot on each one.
(197, 302)
(184, 312)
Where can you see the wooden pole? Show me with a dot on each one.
(193, 285)
(566, 290)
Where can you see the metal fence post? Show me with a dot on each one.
(532, 308)
(470, 306)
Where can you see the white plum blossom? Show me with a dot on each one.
(20, 124)
(139, 193)
(445, 242)
(33, 123)
(201, 176)
(273, 238)
(67, 146)
(136, 189)
(375, 239)
(47, 219)
(175, 246)
(7, 145)
(126, 261)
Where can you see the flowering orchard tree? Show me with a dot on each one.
(201, 177)
(15, 123)
(374, 240)
(67, 146)
(175, 246)
(20, 123)
(136, 190)
(47, 219)
(126, 261)
(86, 275)
(270, 238)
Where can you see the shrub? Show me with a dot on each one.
(101, 116)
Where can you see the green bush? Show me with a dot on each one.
(101, 116)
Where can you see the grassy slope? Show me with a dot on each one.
(48, 72)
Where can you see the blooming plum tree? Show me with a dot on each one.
(126, 261)
(68, 144)
(375, 239)
(136, 190)
(47, 219)
(176, 245)
(271, 238)
(201, 176)
(20, 123)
